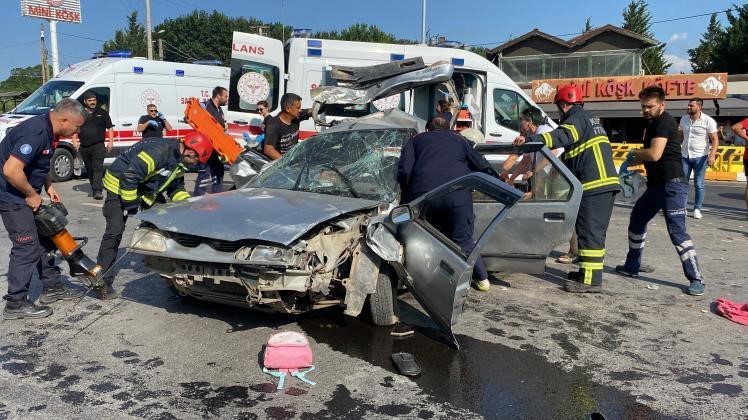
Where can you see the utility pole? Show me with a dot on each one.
(149, 39)
(53, 43)
(45, 69)
(259, 29)
(423, 22)
(161, 49)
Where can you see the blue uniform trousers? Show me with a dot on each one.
(669, 197)
(456, 221)
(29, 252)
(210, 174)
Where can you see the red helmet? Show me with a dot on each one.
(201, 144)
(569, 93)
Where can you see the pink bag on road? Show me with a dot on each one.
(736, 312)
(288, 352)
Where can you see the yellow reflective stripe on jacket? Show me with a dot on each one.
(600, 183)
(599, 161)
(149, 163)
(180, 195)
(572, 130)
(548, 140)
(586, 145)
(591, 252)
(149, 199)
(177, 172)
(111, 183)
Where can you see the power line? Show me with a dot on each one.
(579, 33)
(81, 37)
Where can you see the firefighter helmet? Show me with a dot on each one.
(201, 144)
(569, 93)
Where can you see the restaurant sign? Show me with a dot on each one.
(627, 88)
(61, 10)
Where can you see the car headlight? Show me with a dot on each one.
(147, 239)
(271, 254)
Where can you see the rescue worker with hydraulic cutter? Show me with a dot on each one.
(587, 153)
(137, 179)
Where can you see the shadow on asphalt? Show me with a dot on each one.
(734, 231)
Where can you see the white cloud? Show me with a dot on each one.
(678, 37)
(679, 64)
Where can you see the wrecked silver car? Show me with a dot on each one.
(323, 227)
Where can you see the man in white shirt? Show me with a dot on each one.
(699, 148)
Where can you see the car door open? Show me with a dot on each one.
(437, 272)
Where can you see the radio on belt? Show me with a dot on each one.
(51, 221)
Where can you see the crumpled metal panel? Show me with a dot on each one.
(272, 215)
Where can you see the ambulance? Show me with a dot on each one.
(124, 87)
(264, 69)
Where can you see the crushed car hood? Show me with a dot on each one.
(272, 215)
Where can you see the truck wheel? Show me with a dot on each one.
(61, 168)
(381, 302)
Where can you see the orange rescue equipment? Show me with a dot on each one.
(203, 122)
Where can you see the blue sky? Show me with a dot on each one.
(487, 22)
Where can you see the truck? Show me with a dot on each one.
(124, 87)
(264, 68)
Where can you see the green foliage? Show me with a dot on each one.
(133, 38)
(702, 57)
(637, 19)
(23, 79)
(588, 25)
(362, 32)
(730, 53)
(480, 50)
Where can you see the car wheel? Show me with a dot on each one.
(61, 168)
(381, 302)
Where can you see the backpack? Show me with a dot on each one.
(288, 352)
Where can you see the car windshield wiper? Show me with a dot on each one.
(301, 173)
(345, 179)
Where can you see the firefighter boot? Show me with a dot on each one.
(575, 285)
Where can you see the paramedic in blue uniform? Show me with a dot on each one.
(667, 190)
(25, 155)
(431, 159)
(212, 172)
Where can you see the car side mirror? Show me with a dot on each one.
(401, 214)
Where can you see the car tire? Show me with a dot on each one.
(62, 165)
(381, 303)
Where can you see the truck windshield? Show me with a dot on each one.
(358, 163)
(44, 98)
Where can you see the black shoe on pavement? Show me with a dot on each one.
(25, 309)
(53, 294)
(97, 195)
(106, 293)
(621, 269)
(573, 286)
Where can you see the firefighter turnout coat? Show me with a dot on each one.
(587, 151)
(149, 168)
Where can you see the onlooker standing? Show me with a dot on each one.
(282, 131)
(212, 172)
(667, 190)
(443, 111)
(741, 132)
(92, 148)
(725, 130)
(698, 131)
(153, 123)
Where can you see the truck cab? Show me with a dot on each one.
(264, 69)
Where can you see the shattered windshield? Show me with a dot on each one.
(359, 163)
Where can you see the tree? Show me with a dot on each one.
(362, 32)
(702, 57)
(637, 19)
(23, 79)
(480, 50)
(588, 25)
(133, 38)
(730, 52)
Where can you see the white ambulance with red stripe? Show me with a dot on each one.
(263, 69)
(124, 87)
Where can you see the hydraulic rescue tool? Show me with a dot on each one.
(51, 220)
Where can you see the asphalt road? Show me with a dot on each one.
(642, 349)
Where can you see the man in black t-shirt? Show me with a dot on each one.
(92, 148)
(667, 190)
(282, 131)
(153, 123)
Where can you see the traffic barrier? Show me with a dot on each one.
(728, 165)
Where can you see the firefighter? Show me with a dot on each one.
(137, 179)
(588, 155)
(25, 155)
